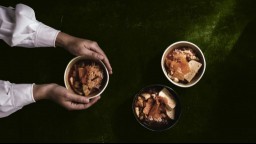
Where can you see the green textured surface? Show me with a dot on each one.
(220, 108)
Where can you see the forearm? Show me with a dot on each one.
(42, 91)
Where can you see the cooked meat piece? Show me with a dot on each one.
(86, 90)
(84, 79)
(155, 112)
(91, 84)
(162, 106)
(81, 72)
(97, 81)
(148, 106)
(179, 66)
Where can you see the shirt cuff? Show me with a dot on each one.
(23, 94)
(45, 36)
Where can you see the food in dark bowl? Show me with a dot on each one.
(156, 107)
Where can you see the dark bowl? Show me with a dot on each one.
(155, 126)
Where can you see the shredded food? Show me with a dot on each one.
(85, 78)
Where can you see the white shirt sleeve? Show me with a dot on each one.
(19, 27)
(14, 96)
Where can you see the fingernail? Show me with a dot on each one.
(86, 100)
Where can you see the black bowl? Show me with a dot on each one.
(155, 126)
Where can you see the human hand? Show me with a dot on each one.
(62, 96)
(78, 47)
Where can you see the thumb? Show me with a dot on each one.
(78, 99)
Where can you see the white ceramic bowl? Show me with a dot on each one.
(88, 59)
(199, 54)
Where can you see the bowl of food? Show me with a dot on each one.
(86, 76)
(183, 63)
(156, 107)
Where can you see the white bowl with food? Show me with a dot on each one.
(86, 76)
(183, 64)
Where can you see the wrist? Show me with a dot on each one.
(63, 40)
(42, 91)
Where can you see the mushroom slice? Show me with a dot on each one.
(139, 102)
(137, 111)
(170, 113)
(168, 98)
(146, 95)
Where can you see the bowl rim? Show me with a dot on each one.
(176, 99)
(74, 60)
(165, 72)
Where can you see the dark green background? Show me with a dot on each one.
(134, 34)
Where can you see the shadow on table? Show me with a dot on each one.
(235, 81)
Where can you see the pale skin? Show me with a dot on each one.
(60, 94)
